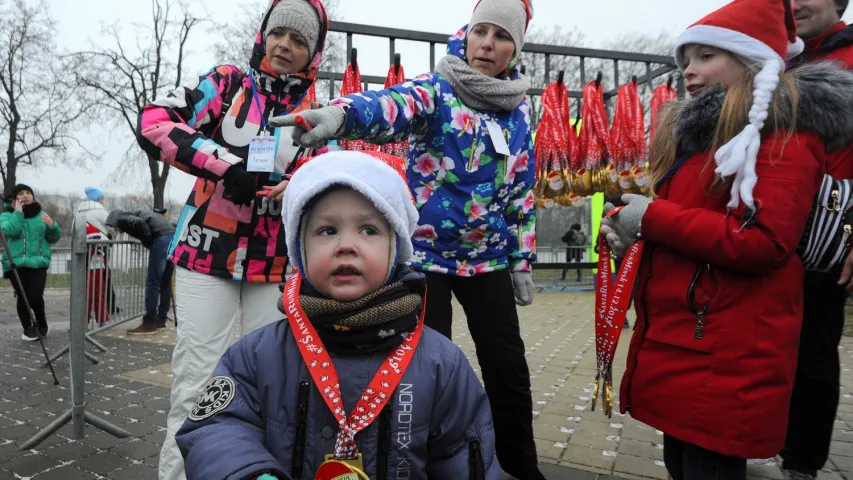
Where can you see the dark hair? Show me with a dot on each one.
(841, 6)
(576, 226)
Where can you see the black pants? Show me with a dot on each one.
(816, 386)
(33, 280)
(573, 255)
(489, 305)
(685, 461)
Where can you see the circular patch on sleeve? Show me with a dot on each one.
(217, 394)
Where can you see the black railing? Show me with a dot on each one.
(662, 64)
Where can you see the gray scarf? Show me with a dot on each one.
(479, 91)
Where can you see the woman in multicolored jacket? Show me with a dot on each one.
(230, 245)
(471, 171)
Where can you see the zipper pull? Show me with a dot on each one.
(699, 331)
(520, 224)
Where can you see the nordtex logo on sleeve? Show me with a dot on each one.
(217, 394)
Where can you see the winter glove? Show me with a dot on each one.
(623, 228)
(239, 186)
(522, 283)
(322, 125)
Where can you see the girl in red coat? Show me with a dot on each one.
(719, 295)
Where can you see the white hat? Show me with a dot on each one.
(380, 177)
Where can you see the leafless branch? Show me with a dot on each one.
(120, 81)
(39, 108)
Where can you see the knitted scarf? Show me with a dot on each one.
(378, 321)
(479, 91)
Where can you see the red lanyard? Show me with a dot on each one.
(611, 308)
(322, 370)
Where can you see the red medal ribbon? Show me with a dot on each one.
(322, 370)
(611, 308)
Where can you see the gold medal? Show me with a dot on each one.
(341, 469)
(608, 399)
(594, 393)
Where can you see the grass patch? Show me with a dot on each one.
(59, 280)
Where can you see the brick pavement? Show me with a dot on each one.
(130, 389)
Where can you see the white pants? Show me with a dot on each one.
(208, 310)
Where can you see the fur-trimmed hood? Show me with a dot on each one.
(825, 106)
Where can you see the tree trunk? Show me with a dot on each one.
(158, 182)
(10, 176)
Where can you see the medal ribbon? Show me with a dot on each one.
(611, 308)
(322, 370)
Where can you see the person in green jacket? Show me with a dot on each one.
(30, 233)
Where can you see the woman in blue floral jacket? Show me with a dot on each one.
(471, 171)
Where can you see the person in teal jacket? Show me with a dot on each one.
(30, 233)
(471, 171)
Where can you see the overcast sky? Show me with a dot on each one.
(79, 23)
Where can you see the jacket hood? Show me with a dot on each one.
(824, 106)
(87, 205)
(261, 64)
(458, 42)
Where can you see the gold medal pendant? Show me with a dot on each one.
(594, 393)
(608, 399)
(343, 469)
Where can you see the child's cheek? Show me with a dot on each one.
(318, 264)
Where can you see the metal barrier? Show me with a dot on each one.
(58, 273)
(114, 273)
(556, 269)
(77, 414)
(655, 65)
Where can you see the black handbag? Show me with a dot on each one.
(826, 241)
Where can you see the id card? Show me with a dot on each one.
(498, 139)
(261, 154)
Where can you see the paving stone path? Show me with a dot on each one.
(130, 389)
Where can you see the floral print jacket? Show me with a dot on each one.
(476, 206)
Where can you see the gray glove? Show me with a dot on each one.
(623, 228)
(326, 123)
(522, 283)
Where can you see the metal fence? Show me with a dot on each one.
(655, 65)
(113, 275)
(124, 262)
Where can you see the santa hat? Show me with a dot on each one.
(761, 31)
(380, 177)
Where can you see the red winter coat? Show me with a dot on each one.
(728, 391)
(835, 45)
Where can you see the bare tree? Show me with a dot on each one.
(535, 64)
(236, 40)
(122, 78)
(660, 44)
(37, 110)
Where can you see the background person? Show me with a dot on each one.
(155, 233)
(816, 387)
(230, 251)
(30, 233)
(471, 171)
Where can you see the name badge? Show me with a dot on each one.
(261, 154)
(498, 139)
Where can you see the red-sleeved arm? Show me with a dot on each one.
(788, 178)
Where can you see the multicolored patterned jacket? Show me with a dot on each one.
(204, 129)
(476, 206)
